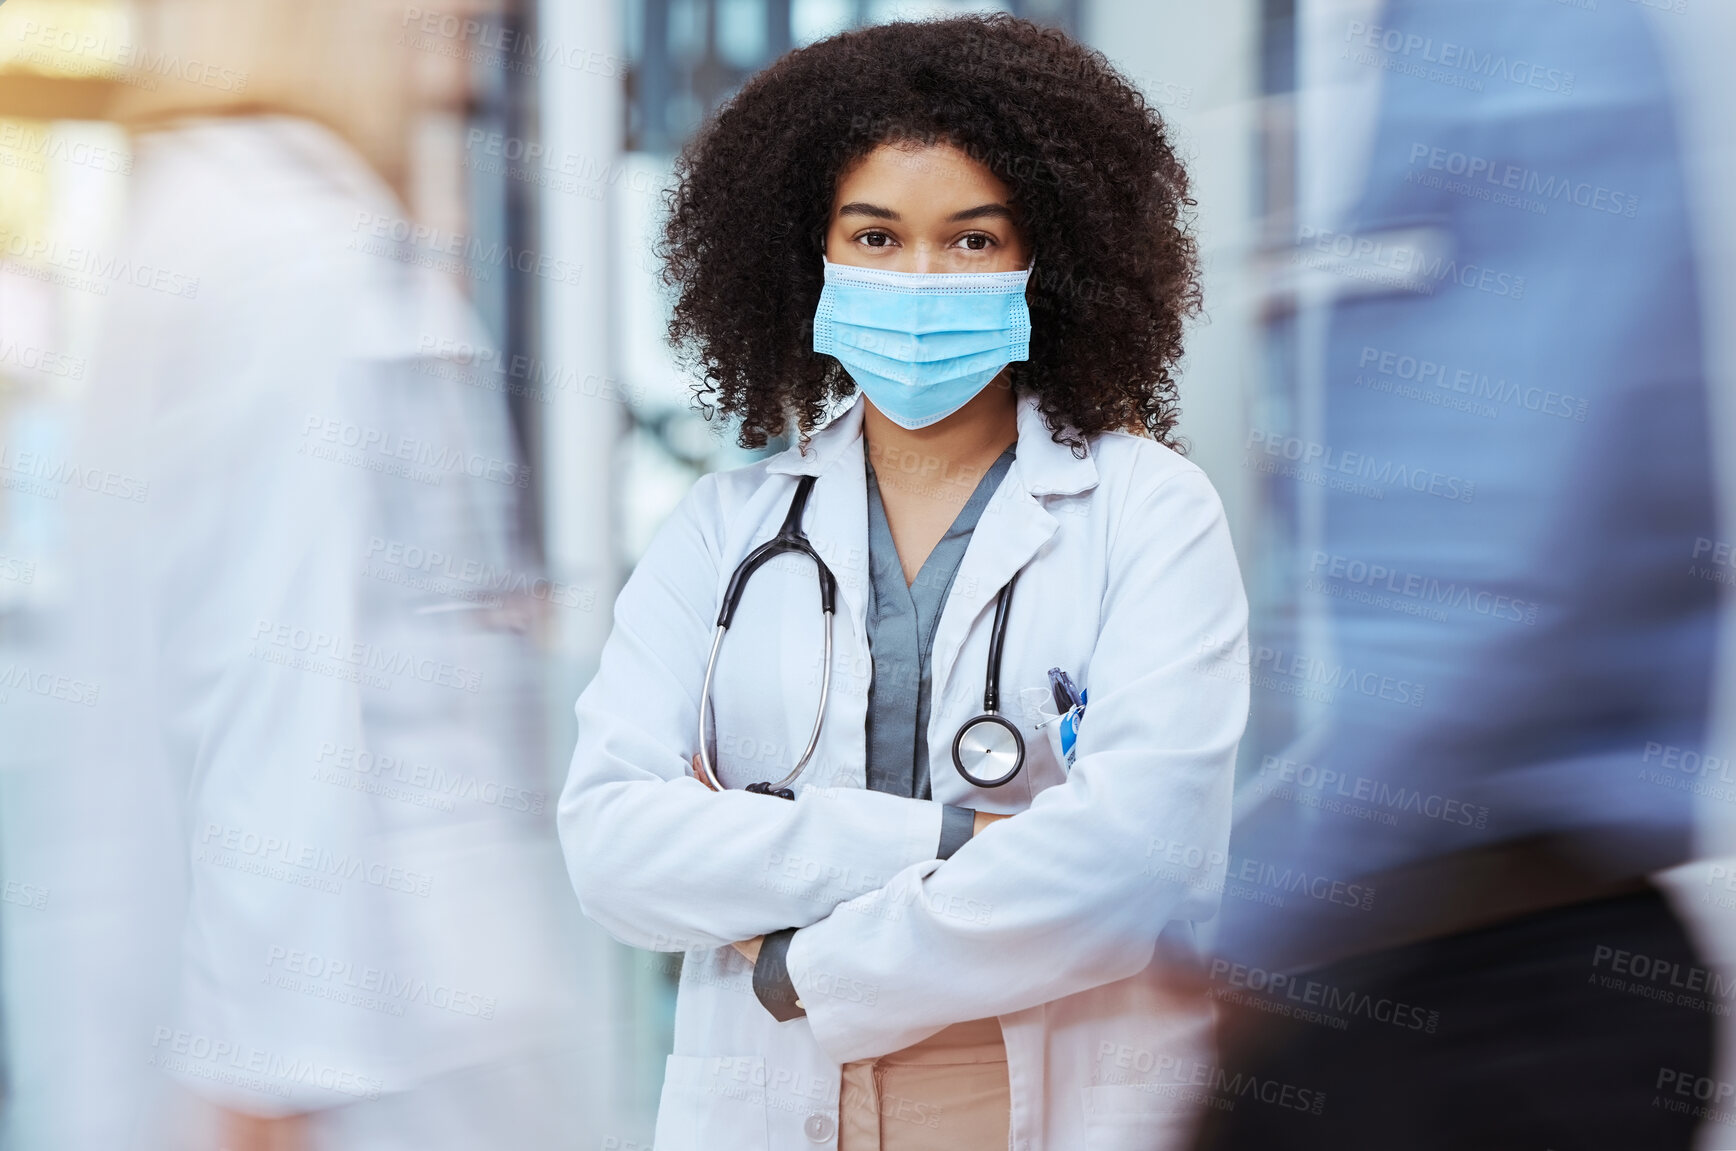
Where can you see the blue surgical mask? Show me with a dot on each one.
(922, 345)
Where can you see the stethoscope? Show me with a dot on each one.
(988, 750)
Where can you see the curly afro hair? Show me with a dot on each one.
(1102, 200)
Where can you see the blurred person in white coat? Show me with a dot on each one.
(960, 912)
(307, 889)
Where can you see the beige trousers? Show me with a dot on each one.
(947, 1093)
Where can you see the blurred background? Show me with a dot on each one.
(289, 290)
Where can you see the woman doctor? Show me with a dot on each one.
(974, 225)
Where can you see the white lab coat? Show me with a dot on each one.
(350, 838)
(1070, 922)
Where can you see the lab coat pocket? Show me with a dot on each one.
(1128, 1117)
(712, 1101)
(1052, 733)
(1045, 766)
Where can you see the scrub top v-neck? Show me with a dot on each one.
(902, 619)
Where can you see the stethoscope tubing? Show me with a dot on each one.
(710, 774)
(791, 538)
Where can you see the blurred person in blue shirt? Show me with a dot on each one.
(1437, 914)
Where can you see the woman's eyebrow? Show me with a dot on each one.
(982, 212)
(858, 208)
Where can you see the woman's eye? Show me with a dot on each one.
(977, 242)
(875, 239)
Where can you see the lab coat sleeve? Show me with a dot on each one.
(1073, 892)
(658, 859)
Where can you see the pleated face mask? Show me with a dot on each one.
(921, 345)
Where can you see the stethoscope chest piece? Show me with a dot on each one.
(988, 750)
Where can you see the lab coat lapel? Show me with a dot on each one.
(1014, 527)
(837, 518)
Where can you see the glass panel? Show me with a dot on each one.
(813, 20)
(741, 32)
